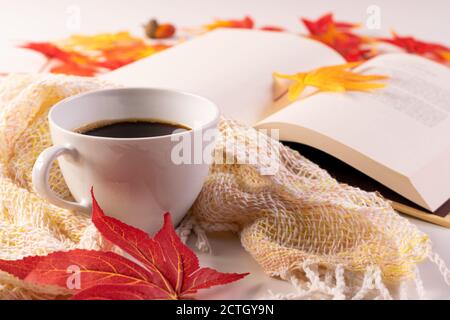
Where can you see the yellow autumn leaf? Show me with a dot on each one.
(218, 24)
(99, 42)
(106, 50)
(337, 78)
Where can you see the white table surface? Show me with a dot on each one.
(22, 20)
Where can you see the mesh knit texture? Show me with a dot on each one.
(301, 217)
(328, 239)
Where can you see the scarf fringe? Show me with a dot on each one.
(331, 283)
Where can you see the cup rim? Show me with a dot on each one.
(166, 90)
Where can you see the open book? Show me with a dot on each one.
(398, 137)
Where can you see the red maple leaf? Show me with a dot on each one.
(322, 25)
(165, 268)
(339, 36)
(434, 51)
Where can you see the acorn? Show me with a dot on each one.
(150, 28)
(154, 30)
(164, 31)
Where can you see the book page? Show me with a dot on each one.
(231, 67)
(398, 135)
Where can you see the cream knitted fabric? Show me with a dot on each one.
(330, 240)
(28, 224)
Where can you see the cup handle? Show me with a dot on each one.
(40, 175)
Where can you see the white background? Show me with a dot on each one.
(47, 20)
(30, 19)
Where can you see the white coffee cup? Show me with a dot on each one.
(135, 179)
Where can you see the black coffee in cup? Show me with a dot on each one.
(131, 128)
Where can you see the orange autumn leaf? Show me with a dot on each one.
(110, 50)
(119, 56)
(445, 55)
(245, 23)
(337, 78)
(89, 55)
(74, 69)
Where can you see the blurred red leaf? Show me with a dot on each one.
(246, 23)
(46, 48)
(339, 36)
(272, 28)
(88, 55)
(167, 268)
(69, 62)
(434, 51)
(322, 25)
(52, 51)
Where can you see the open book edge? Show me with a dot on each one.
(345, 173)
(395, 135)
